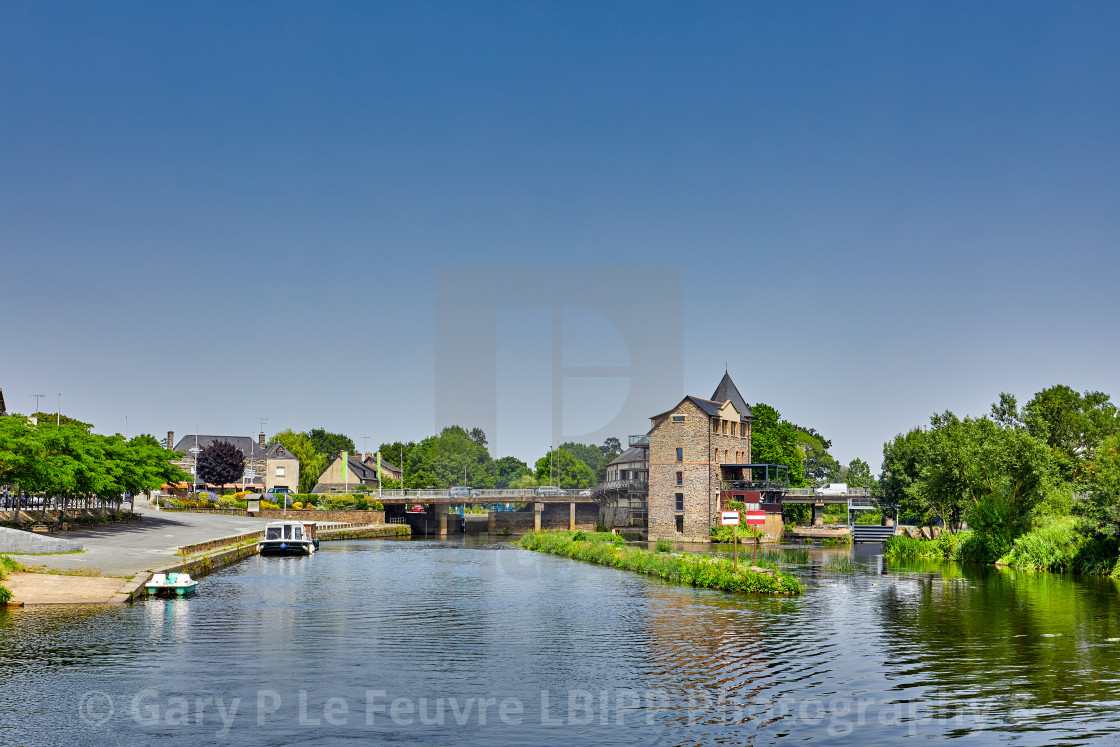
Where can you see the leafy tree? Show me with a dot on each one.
(311, 461)
(220, 463)
(478, 436)
(525, 482)
(611, 448)
(592, 456)
(1103, 480)
(450, 458)
(859, 474)
(903, 460)
(1072, 424)
(53, 418)
(509, 469)
(820, 466)
(774, 441)
(329, 444)
(564, 469)
(396, 452)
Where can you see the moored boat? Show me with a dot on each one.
(289, 538)
(177, 584)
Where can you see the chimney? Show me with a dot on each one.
(262, 440)
(171, 439)
(369, 457)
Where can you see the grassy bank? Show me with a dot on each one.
(7, 565)
(699, 570)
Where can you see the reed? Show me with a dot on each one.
(699, 570)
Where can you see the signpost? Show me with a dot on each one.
(755, 518)
(731, 519)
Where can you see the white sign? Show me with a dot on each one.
(751, 507)
(250, 474)
(729, 518)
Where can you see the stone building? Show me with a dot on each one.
(622, 495)
(266, 465)
(688, 447)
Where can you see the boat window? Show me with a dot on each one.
(287, 531)
(298, 533)
(272, 533)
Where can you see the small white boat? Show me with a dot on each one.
(171, 583)
(289, 538)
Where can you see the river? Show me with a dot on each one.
(470, 642)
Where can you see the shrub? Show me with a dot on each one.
(342, 503)
(5, 595)
(1062, 544)
(362, 504)
(953, 546)
(7, 565)
(268, 504)
(663, 545)
(297, 506)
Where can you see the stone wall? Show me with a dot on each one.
(348, 517)
(703, 451)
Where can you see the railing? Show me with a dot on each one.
(520, 494)
(620, 485)
(762, 486)
(639, 440)
(813, 491)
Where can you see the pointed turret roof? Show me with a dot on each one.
(728, 391)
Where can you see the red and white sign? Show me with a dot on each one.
(417, 509)
(757, 518)
(729, 518)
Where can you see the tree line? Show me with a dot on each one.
(68, 461)
(1011, 471)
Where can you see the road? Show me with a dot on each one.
(126, 549)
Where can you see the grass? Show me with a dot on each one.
(699, 570)
(1062, 545)
(951, 546)
(7, 565)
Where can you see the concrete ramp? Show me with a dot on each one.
(19, 542)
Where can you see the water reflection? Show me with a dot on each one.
(570, 651)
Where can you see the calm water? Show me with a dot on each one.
(467, 643)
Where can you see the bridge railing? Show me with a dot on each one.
(504, 494)
(863, 492)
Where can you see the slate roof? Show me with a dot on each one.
(360, 469)
(728, 391)
(633, 454)
(3, 409)
(249, 447)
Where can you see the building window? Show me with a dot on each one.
(679, 502)
(715, 425)
(680, 478)
(678, 418)
(680, 454)
(680, 524)
(279, 471)
(725, 427)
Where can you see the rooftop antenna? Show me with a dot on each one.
(262, 422)
(365, 443)
(37, 398)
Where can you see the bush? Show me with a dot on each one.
(297, 506)
(663, 545)
(5, 595)
(268, 504)
(1062, 544)
(7, 565)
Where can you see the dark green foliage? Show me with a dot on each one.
(330, 444)
(695, 570)
(5, 595)
(451, 458)
(775, 441)
(221, 463)
(509, 469)
(562, 468)
(663, 545)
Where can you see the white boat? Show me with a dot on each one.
(171, 583)
(289, 538)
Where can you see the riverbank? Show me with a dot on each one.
(698, 570)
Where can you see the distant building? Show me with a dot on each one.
(3, 407)
(361, 472)
(266, 465)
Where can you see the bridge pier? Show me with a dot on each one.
(818, 514)
(572, 517)
(442, 511)
(538, 509)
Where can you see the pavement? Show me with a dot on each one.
(123, 550)
(41, 588)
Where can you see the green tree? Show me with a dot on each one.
(311, 461)
(820, 466)
(564, 469)
(903, 461)
(859, 474)
(1103, 481)
(525, 482)
(330, 444)
(1072, 424)
(509, 469)
(774, 441)
(449, 459)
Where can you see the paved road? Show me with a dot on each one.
(127, 549)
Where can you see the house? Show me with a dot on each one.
(689, 446)
(361, 473)
(3, 407)
(266, 465)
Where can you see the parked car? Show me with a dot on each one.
(585, 492)
(461, 491)
(476, 493)
(833, 488)
(551, 490)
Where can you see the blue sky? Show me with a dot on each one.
(212, 213)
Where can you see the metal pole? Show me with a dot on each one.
(735, 548)
(58, 420)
